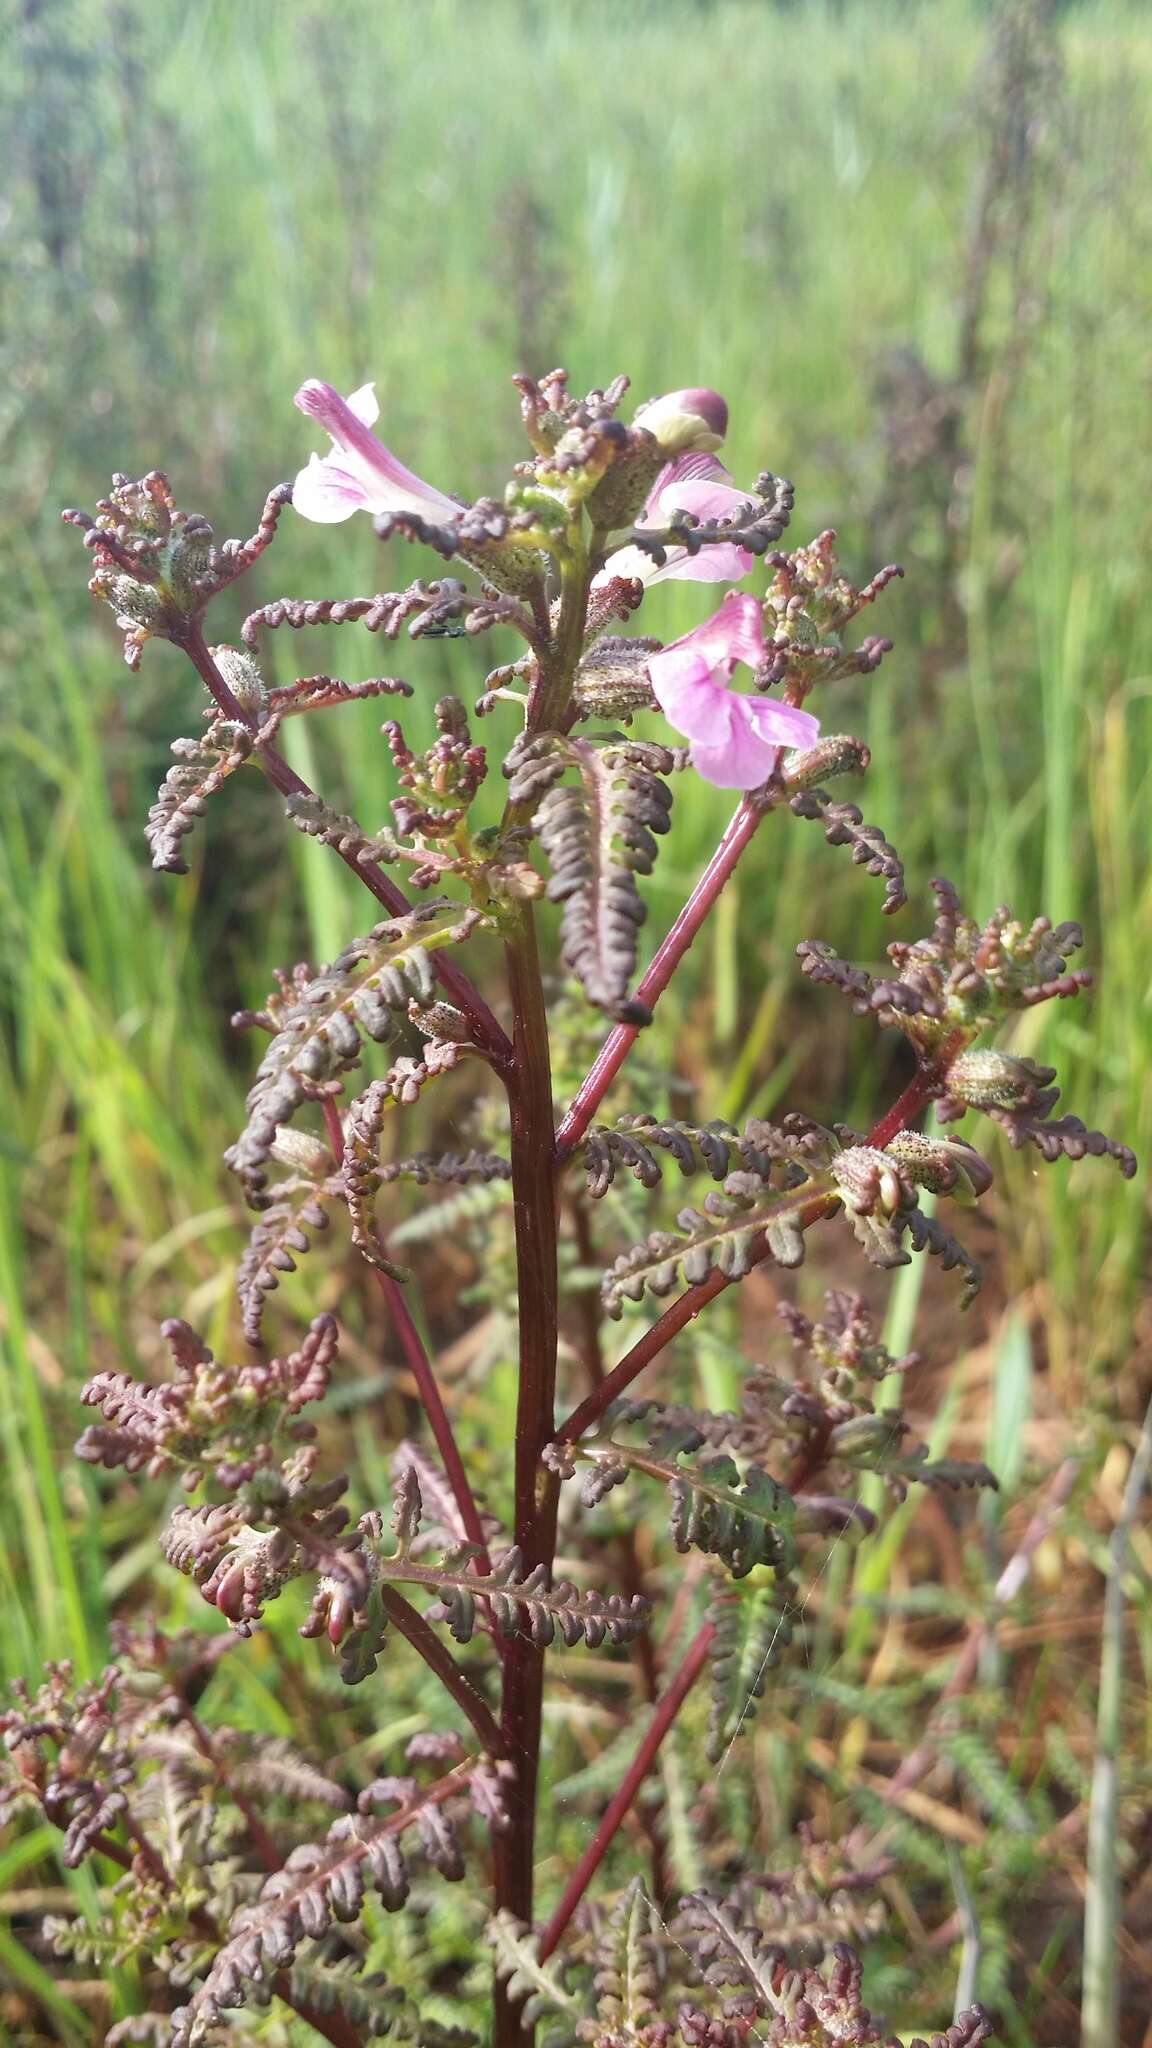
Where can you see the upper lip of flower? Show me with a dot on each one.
(360, 473)
(698, 484)
(693, 418)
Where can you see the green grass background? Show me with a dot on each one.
(209, 202)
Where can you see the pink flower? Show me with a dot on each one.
(360, 474)
(700, 485)
(736, 740)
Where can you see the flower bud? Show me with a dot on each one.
(622, 492)
(869, 1180)
(135, 604)
(300, 1150)
(514, 570)
(683, 421)
(945, 1165)
(987, 1079)
(189, 563)
(243, 679)
(836, 753)
(612, 679)
(866, 1436)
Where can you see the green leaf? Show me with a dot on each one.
(725, 1235)
(753, 1627)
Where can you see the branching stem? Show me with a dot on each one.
(423, 1638)
(620, 1040)
(667, 1708)
(489, 1034)
(420, 1366)
(920, 1090)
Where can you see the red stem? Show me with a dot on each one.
(924, 1084)
(620, 1040)
(489, 1034)
(907, 1105)
(532, 1133)
(920, 1090)
(667, 1708)
(536, 1492)
(437, 1414)
(422, 1372)
(646, 1348)
(415, 1630)
(535, 1212)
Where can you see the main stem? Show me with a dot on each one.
(535, 1210)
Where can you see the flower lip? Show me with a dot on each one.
(695, 483)
(349, 424)
(736, 740)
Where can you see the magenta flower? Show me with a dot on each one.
(694, 483)
(736, 740)
(360, 474)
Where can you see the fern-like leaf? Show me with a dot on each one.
(955, 1474)
(330, 1984)
(724, 1235)
(364, 994)
(140, 2030)
(459, 1169)
(526, 1977)
(635, 1143)
(598, 835)
(626, 1981)
(362, 1126)
(742, 1517)
(928, 1234)
(359, 1650)
(472, 1204)
(202, 766)
(753, 1628)
(272, 1767)
(725, 1950)
(319, 820)
(844, 826)
(516, 1601)
(321, 1884)
(440, 1525)
(279, 1237)
(547, 1609)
